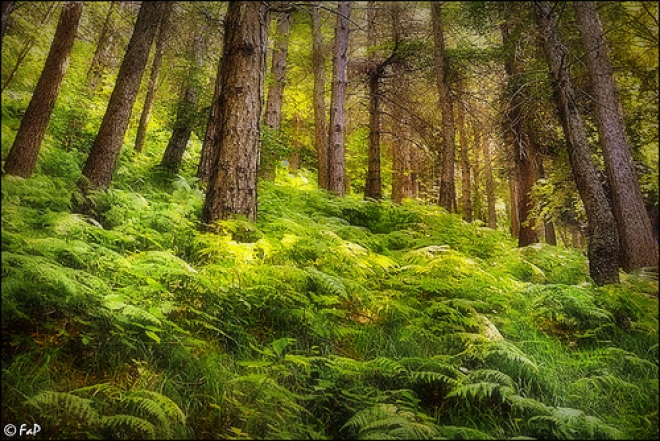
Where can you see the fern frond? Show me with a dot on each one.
(132, 423)
(65, 405)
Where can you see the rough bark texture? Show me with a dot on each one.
(336, 145)
(320, 123)
(25, 149)
(638, 248)
(603, 246)
(525, 152)
(7, 8)
(152, 88)
(104, 47)
(102, 159)
(212, 131)
(233, 182)
(187, 109)
(447, 197)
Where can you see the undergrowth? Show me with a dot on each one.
(328, 318)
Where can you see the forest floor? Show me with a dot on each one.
(328, 318)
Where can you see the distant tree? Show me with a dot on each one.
(163, 30)
(100, 165)
(447, 197)
(638, 247)
(25, 149)
(603, 246)
(232, 186)
(466, 189)
(7, 8)
(104, 47)
(187, 111)
(320, 123)
(337, 126)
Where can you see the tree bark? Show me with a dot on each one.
(525, 151)
(7, 8)
(152, 88)
(233, 182)
(603, 246)
(23, 154)
(336, 143)
(320, 123)
(100, 164)
(212, 131)
(638, 248)
(447, 197)
(273, 112)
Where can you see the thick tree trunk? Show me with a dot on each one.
(320, 123)
(152, 88)
(638, 248)
(336, 143)
(102, 159)
(7, 8)
(25, 149)
(447, 197)
(187, 110)
(273, 111)
(525, 151)
(603, 246)
(233, 182)
(212, 131)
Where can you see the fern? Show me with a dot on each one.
(387, 421)
(64, 405)
(130, 426)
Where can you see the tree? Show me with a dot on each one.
(447, 197)
(337, 126)
(320, 123)
(103, 48)
(100, 165)
(212, 128)
(163, 29)
(233, 182)
(25, 149)
(187, 111)
(638, 248)
(526, 157)
(7, 8)
(603, 246)
(466, 193)
(273, 112)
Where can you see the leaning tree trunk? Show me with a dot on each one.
(638, 248)
(273, 111)
(447, 197)
(336, 143)
(24, 151)
(100, 165)
(233, 182)
(152, 88)
(603, 246)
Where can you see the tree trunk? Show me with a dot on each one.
(373, 183)
(100, 164)
(103, 49)
(163, 28)
(273, 112)
(525, 151)
(233, 182)
(638, 248)
(25, 149)
(212, 131)
(603, 246)
(466, 193)
(336, 145)
(447, 197)
(490, 187)
(477, 202)
(7, 8)
(320, 123)
(187, 109)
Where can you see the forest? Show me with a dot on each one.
(330, 220)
